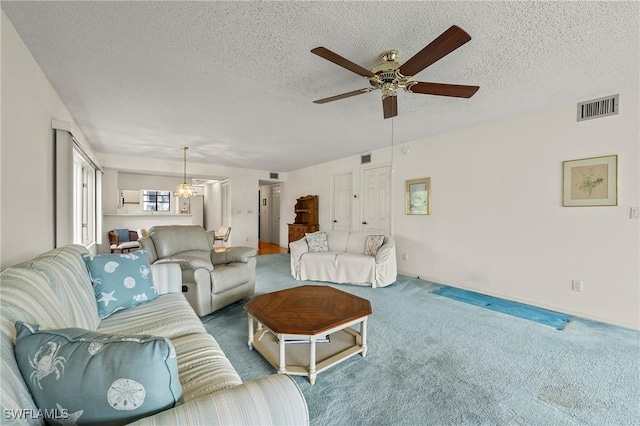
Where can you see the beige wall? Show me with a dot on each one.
(497, 224)
(29, 103)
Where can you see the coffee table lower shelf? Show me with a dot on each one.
(301, 359)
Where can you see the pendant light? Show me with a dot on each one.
(184, 190)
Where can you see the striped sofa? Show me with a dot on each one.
(54, 291)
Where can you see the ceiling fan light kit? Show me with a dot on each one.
(391, 75)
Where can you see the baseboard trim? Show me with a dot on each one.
(552, 307)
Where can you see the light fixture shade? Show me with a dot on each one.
(184, 190)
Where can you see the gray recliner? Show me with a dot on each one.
(211, 279)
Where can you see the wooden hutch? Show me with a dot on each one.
(306, 210)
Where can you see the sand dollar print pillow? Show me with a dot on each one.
(120, 281)
(93, 378)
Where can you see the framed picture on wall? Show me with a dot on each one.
(418, 196)
(590, 182)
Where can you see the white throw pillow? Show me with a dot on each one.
(317, 242)
(373, 244)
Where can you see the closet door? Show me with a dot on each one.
(376, 200)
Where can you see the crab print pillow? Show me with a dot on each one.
(84, 377)
(120, 281)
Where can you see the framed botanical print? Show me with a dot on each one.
(590, 182)
(418, 196)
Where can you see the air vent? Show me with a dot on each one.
(273, 175)
(598, 108)
(365, 158)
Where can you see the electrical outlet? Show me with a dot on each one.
(576, 285)
(405, 256)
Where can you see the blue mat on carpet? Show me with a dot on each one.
(532, 313)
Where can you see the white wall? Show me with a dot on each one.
(138, 182)
(29, 103)
(243, 188)
(317, 180)
(497, 224)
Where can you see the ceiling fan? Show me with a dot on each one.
(391, 75)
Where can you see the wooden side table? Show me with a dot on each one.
(297, 231)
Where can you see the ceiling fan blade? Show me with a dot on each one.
(446, 43)
(325, 53)
(344, 95)
(441, 89)
(390, 106)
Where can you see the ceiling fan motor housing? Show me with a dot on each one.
(387, 77)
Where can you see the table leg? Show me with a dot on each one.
(312, 360)
(363, 333)
(250, 332)
(283, 364)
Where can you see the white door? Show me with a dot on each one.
(376, 200)
(225, 205)
(196, 208)
(342, 193)
(265, 217)
(275, 214)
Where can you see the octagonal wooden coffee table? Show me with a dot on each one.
(291, 324)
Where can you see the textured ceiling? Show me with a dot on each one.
(235, 80)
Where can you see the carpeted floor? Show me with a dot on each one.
(436, 361)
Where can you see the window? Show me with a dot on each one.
(156, 201)
(78, 192)
(84, 201)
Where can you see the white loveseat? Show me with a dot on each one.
(345, 262)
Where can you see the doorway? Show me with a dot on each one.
(269, 217)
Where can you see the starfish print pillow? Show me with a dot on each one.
(120, 280)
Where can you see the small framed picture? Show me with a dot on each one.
(590, 182)
(418, 196)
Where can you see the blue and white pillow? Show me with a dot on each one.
(317, 242)
(84, 377)
(120, 280)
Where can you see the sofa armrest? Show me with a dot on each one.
(186, 262)
(269, 400)
(298, 248)
(211, 236)
(385, 252)
(147, 244)
(167, 278)
(232, 254)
